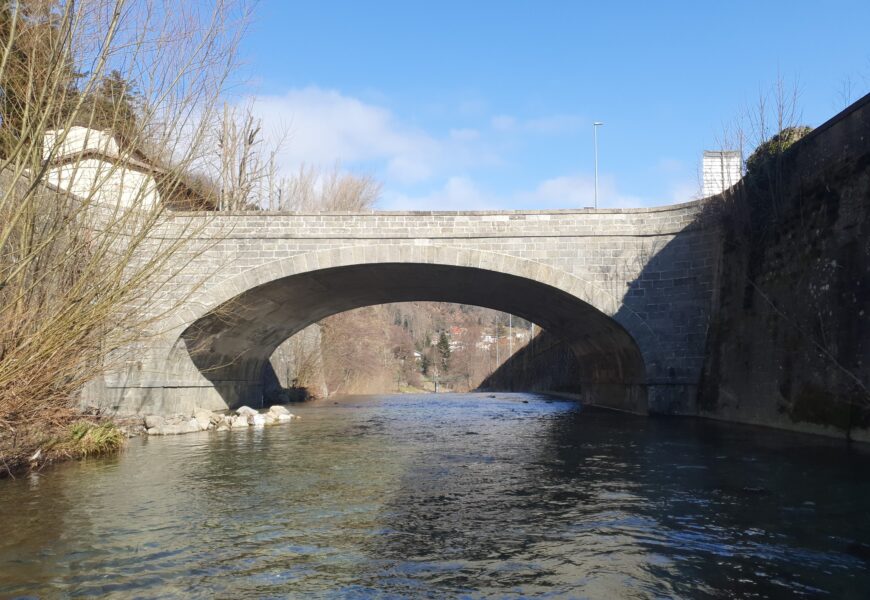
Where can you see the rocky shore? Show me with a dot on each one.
(204, 419)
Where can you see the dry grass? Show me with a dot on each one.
(66, 436)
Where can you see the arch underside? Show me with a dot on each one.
(231, 345)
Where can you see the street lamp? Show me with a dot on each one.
(595, 126)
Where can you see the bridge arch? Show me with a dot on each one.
(226, 333)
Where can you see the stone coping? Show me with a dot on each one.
(445, 213)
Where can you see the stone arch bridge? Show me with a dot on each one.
(630, 291)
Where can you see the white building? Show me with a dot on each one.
(89, 164)
(721, 169)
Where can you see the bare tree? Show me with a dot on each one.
(97, 96)
(314, 189)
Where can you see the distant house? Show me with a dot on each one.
(90, 164)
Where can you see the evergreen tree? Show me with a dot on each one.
(38, 80)
(114, 106)
(444, 351)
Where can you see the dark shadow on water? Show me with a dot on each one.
(677, 506)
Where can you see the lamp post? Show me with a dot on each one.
(595, 126)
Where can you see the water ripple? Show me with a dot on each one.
(448, 496)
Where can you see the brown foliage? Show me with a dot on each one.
(80, 278)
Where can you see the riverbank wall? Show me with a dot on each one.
(789, 341)
(788, 336)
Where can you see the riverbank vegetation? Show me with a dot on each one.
(95, 95)
(69, 435)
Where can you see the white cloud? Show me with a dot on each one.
(578, 191)
(325, 127)
(569, 191)
(458, 193)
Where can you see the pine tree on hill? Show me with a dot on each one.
(444, 351)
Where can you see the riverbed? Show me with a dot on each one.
(449, 496)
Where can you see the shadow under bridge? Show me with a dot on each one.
(232, 343)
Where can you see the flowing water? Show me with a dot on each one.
(447, 496)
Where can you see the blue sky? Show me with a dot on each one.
(474, 105)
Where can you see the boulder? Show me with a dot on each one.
(223, 427)
(203, 420)
(174, 429)
(258, 420)
(194, 425)
(246, 410)
(154, 431)
(240, 421)
(285, 418)
(154, 421)
(278, 410)
(271, 418)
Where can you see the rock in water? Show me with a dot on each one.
(285, 418)
(278, 410)
(174, 429)
(240, 421)
(153, 421)
(203, 418)
(245, 410)
(259, 420)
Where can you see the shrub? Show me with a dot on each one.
(760, 161)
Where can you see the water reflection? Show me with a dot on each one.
(465, 496)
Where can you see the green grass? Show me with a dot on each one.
(40, 446)
(90, 439)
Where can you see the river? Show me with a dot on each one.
(448, 496)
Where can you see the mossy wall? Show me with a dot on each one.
(789, 340)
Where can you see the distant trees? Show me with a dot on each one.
(115, 105)
(382, 348)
